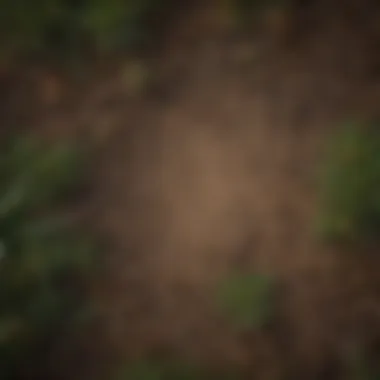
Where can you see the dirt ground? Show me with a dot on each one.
(213, 169)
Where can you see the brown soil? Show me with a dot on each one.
(213, 170)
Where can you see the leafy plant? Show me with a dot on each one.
(247, 300)
(350, 185)
(42, 258)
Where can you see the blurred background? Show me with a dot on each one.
(189, 190)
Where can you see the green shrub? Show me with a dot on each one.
(42, 258)
(350, 186)
(247, 300)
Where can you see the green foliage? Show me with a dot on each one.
(73, 25)
(247, 300)
(42, 259)
(350, 186)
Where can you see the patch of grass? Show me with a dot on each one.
(350, 186)
(43, 258)
(247, 301)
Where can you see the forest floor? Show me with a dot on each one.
(209, 166)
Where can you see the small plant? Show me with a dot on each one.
(42, 258)
(247, 300)
(350, 186)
